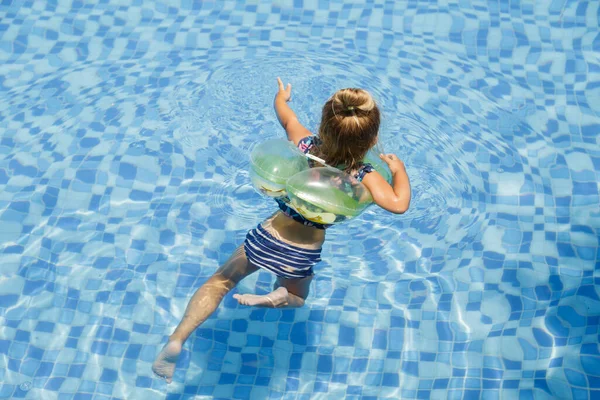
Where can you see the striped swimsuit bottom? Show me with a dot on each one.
(283, 259)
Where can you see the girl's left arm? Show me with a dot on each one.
(287, 118)
(396, 197)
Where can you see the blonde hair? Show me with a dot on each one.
(349, 128)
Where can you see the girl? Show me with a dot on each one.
(287, 244)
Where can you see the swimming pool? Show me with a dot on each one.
(125, 133)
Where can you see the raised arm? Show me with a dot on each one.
(394, 198)
(287, 118)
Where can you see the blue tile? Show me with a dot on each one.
(54, 384)
(390, 379)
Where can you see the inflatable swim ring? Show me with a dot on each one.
(325, 195)
(272, 163)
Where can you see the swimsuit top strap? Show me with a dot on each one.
(307, 143)
(364, 169)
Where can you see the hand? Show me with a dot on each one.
(393, 162)
(284, 93)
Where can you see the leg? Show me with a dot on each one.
(297, 289)
(204, 302)
(208, 297)
(287, 293)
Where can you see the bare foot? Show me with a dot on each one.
(164, 365)
(278, 297)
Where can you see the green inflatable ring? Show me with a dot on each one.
(324, 195)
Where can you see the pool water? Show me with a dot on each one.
(125, 136)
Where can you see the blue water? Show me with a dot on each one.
(125, 134)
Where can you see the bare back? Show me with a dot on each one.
(287, 230)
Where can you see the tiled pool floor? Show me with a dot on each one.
(125, 129)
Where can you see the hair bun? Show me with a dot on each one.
(350, 100)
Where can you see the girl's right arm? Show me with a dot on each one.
(396, 197)
(287, 118)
